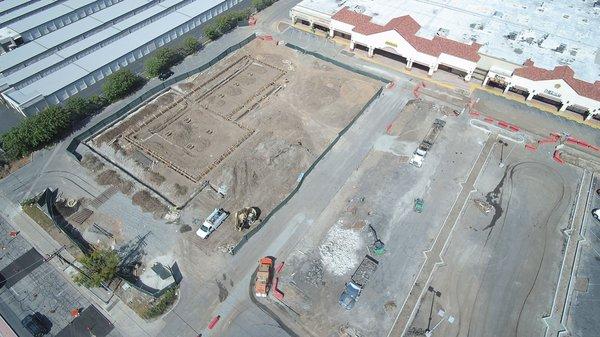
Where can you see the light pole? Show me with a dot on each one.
(434, 293)
(503, 144)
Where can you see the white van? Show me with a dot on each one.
(214, 220)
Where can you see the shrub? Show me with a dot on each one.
(161, 61)
(121, 84)
(262, 4)
(50, 125)
(190, 45)
(35, 132)
(100, 267)
(163, 304)
(212, 33)
(79, 107)
(225, 23)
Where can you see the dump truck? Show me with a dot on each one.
(357, 282)
(427, 143)
(262, 282)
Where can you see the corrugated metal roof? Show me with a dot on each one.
(7, 5)
(15, 14)
(30, 70)
(108, 54)
(56, 38)
(16, 56)
(48, 15)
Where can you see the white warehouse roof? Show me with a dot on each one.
(59, 37)
(109, 54)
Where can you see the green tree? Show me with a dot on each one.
(262, 4)
(212, 33)
(190, 45)
(15, 143)
(79, 107)
(120, 84)
(163, 59)
(99, 267)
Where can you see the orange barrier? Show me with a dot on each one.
(276, 292)
(557, 158)
(214, 322)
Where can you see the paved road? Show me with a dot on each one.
(9, 118)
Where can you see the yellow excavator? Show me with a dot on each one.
(245, 217)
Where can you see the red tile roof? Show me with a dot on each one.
(583, 88)
(407, 27)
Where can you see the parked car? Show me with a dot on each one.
(165, 75)
(214, 220)
(596, 214)
(36, 324)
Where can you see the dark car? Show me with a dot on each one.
(165, 75)
(37, 324)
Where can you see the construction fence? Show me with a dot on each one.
(338, 63)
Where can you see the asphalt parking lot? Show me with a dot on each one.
(500, 268)
(32, 286)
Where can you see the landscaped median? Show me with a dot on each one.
(160, 306)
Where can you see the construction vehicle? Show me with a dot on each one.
(418, 207)
(357, 282)
(427, 142)
(212, 222)
(262, 283)
(378, 246)
(245, 217)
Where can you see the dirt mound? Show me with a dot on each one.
(112, 178)
(149, 204)
(92, 163)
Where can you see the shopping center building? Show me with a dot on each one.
(500, 43)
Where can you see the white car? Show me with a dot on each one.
(596, 214)
(214, 220)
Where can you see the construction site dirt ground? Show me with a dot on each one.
(240, 134)
(381, 194)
